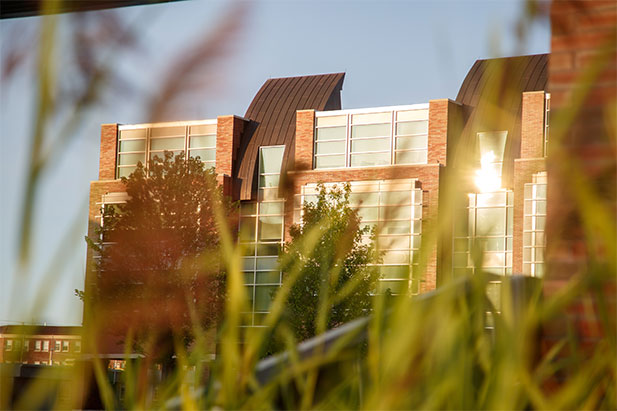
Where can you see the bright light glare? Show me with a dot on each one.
(487, 179)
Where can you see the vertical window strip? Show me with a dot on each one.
(547, 111)
(534, 220)
(486, 222)
(261, 236)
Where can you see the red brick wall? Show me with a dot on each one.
(428, 177)
(532, 125)
(582, 151)
(305, 126)
(228, 132)
(107, 158)
(444, 120)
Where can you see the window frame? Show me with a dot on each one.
(349, 125)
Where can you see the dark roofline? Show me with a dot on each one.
(29, 8)
(41, 329)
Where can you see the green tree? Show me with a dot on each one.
(336, 282)
(159, 272)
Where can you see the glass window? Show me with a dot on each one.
(77, 346)
(137, 145)
(487, 227)
(65, 346)
(57, 346)
(46, 345)
(533, 226)
(37, 345)
(8, 345)
(394, 207)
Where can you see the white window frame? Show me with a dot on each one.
(393, 110)
(533, 247)
(148, 139)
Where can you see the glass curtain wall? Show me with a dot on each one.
(137, 143)
(394, 209)
(261, 236)
(534, 221)
(371, 139)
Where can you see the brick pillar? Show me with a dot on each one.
(532, 125)
(228, 132)
(582, 167)
(107, 157)
(305, 126)
(444, 125)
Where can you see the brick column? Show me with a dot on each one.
(228, 132)
(107, 157)
(444, 125)
(582, 155)
(305, 126)
(532, 125)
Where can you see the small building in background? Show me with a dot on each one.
(40, 344)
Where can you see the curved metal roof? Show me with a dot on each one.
(272, 116)
(492, 98)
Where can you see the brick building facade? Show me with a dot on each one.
(413, 170)
(44, 345)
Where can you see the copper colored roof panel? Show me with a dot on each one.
(272, 116)
(492, 96)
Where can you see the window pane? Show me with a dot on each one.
(248, 263)
(271, 208)
(248, 208)
(491, 221)
(132, 145)
(330, 161)
(269, 181)
(395, 213)
(125, 171)
(264, 296)
(372, 130)
(415, 127)
(411, 157)
(395, 287)
(412, 115)
(271, 159)
(331, 133)
(414, 142)
(374, 159)
(203, 129)
(394, 241)
(167, 143)
(331, 121)
(364, 199)
(167, 131)
(396, 227)
(247, 228)
(270, 228)
(137, 133)
(394, 272)
(271, 277)
(202, 141)
(267, 263)
(368, 213)
(396, 257)
(129, 159)
(493, 142)
(396, 198)
(330, 147)
(378, 144)
(268, 249)
(203, 154)
(371, 118)
(491, 199)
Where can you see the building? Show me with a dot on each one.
(43, 344)
(471, 170)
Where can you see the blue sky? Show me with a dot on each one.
(394, 52)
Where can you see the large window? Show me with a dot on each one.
(261, 235)
(534, 221)
(394, 209)
(484, 229)
(367, 138)
(141, 142)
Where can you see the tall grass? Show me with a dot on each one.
(416, 353)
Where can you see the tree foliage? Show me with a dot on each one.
(336, 276)
(159, 273)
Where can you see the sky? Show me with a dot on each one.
(393, 53)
